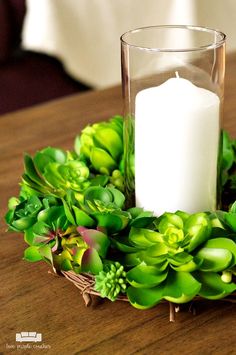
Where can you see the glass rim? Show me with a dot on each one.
(218, 43)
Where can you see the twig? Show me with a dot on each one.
(172, 312)
(85, 283)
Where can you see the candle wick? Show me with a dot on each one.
(177, 74)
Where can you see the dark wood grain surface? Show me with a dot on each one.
(32, 299)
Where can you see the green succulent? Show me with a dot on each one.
(101, 207)
(43, 222)
(102, 145)
(22, 213)
(53, 171)
(83, 251)
(177, 260)
(71, 175)
(51, 224)
(173, 236)
(111, 281)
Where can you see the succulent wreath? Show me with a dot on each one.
(71, 211)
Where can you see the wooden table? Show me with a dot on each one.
(34, 300)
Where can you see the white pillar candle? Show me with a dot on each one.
(176, 147)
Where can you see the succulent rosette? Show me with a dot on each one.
(53, 172)
(112, 281)
(71, 210)
(177, 260)
(101, 206)
(22, 213)
(82, 251)
(101, 144)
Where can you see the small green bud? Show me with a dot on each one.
(116, 174)
(111, 282)
(117, 179)
(226, 276)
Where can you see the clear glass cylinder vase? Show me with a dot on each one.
(173, 88)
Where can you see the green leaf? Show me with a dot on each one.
(144, 298)
(91, 262)
(136, 211)
(41, 160)
(95, 239)
(223, 243)
(213, 259)
(51, 214)
(27, 182)
(230, 219)
(143, 237)
(198, 226)
(233, 208)
(98, 193)
(53, 177)
(159, 262)
(111, 221)
(9, 216)
(49, 201)
(213, 287)
(82, 218)
(143, 276)
(180, 258)
(118, 197)
(68, 213)
(157, 249)
(132, 259)
(66, 265)
(169, 220)
(181, 287)
(227, 158)
(187, 267)
(102, 161)
(62, 223)
(31, 171)
(109, 140)
(117, 122)
(215, 221)
(58, 155)
(13, 202)
(142, 222)
(99, 180)
(77, 145)
(24, 223)
(46, 252)
(78, 255)
(32, 254)
(123, 246)
(183, 215)
(40, 240)
(40, 228)
(29, 236)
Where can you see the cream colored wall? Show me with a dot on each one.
(84, 34)
(218, 14)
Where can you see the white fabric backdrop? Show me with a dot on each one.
(84, 34)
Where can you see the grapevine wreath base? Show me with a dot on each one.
(71, 211)
(85, 283)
